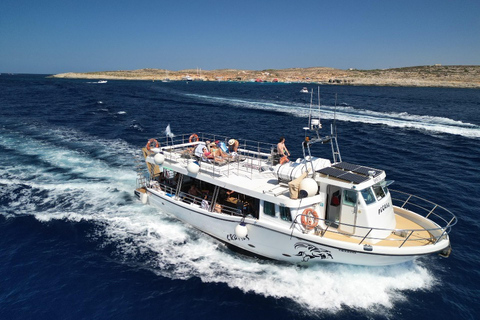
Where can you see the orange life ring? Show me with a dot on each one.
(309, 218)
(193, 138)
(149, 144)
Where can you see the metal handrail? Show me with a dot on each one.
(362, 238)
(261, 147)
(439, 212)
(445, 229)
(250, 153)
(189, 199)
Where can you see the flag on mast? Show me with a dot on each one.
(168, 132)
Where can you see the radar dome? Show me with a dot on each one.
(310, 186)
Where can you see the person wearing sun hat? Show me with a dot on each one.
(233, 145)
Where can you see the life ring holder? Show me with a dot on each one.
(309, 222)
(193, 138)
(149, 144)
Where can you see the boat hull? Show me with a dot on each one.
(279, 242)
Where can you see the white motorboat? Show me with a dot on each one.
(166, 79)
(304, 90)
(305, 211)
(102, 81)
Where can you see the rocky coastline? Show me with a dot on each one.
(420, 76)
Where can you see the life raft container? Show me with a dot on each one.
(193, 138)
(309, 219)
(150, 146)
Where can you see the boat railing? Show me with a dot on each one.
(442, 220)
(229, 210)
(251, 155)
(168, 189)
(364, 234)
(439, 215)
(203, 202)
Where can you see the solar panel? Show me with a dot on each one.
(343, 175)
(355, 178)
(366, 170)
(357, 168)
(330, 171)
(349, 172)
(347, 166)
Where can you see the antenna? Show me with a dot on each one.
(319, 108)
(333, 133)
(335, 114)
(310, 113)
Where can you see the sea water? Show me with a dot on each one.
(76, 244)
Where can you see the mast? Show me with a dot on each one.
(333, 133)
(314, 126)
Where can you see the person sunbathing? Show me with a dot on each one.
(217, 151)
(212, 155)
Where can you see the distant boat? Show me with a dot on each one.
(187, 78)
(166, 79)
(304, 90)
(102, 81)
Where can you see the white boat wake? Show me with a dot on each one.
(60, 182)
(424, 123)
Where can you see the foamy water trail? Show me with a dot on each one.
(59, 181)
(431, 124)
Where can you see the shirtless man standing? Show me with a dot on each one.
(281, 148)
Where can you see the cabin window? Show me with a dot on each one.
(350, 197)
(379, 191)
(285, 214)
(269, 208)
(368, 196)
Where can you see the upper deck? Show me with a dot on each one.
(248, 170)
(253, 168)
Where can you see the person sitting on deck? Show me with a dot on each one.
(233, 145)
(205, 205)
(194, 191)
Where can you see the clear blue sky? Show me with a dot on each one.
(53, 36)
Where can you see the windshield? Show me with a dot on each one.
(367, 195)
(379, 191)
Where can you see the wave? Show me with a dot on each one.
(101, 192)
(423, 123)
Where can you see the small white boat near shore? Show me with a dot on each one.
(305, 211)
(102, 81)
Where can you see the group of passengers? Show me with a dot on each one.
(227, 201)
(219, 151)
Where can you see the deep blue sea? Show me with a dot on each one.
(76, 244)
